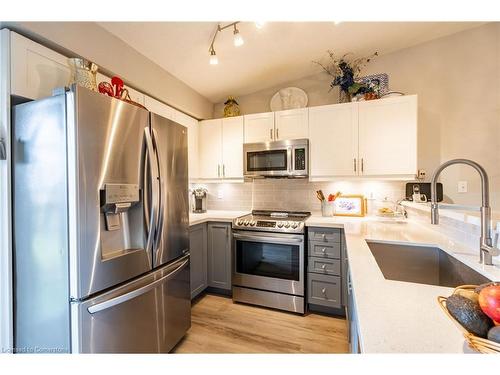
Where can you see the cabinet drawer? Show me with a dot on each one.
(324, 250)
(324, 290)
(324, 266)
(324, 234)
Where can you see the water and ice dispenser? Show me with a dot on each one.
(121, 209)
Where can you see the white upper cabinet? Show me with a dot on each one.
(35, 69)
(192, 125)
(291, 124)
(274, 126)
(388, 136)
(220, 145)
(333, 140)
(232, 147)
(210, 149)
(259, 127)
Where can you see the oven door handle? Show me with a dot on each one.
(267, 239)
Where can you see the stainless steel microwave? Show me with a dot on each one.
(287, 158)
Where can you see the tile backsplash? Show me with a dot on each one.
(292, 195)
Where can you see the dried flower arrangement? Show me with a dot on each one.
(345, 73)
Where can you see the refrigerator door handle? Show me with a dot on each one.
(153, 173)
(137, 292)
(161, 197)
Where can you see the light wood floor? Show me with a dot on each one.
(221, 326)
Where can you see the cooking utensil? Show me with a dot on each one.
(321, 195)
(106, 88)
(117, 83)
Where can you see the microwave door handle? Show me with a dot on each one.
(153, 213)
(289, 155)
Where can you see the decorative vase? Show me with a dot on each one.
(231, 107)
(83, 73)
(344, 96)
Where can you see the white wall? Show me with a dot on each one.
(114, 56)
(457, 79)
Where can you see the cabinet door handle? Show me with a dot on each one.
(223, 170)
(277, 133)
(218, 170)
(323, 290)
(323, 236)
(323, 267)
(354, 164)
(362, 165)
(323, 250)
(271, 134)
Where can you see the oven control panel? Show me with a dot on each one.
(269, 225)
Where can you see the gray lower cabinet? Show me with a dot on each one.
(219, 255)
(351, 315)
(326, 270)
(198, 250)
(324, 290)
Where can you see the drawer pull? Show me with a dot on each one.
(323, 290)
(323, 250)
(323, 267)
(324, 236)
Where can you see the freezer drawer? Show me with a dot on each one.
(148, 315)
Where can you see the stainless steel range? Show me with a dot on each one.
(268, 253)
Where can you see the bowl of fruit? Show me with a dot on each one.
(476, 311)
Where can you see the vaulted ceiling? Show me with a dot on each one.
(277, 53)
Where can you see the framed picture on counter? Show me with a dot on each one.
(350, 205)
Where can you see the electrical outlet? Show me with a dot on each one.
(421, 174)
(220, 195)
(462, 186)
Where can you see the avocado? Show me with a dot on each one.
(469, 315)
(494, 334)
(482, 286)
(469, 294)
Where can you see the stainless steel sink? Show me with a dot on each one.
(423, 265)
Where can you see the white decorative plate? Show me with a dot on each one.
(288, 98)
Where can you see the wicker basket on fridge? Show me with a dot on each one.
(475, 342)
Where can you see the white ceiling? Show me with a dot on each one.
(275, 54)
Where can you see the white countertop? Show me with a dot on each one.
(466, 214)
(215, 215)
(394, 316)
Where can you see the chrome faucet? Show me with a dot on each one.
(486, 249)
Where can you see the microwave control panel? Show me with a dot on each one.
(300, 159)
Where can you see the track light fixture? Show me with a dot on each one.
(237, 39)
(213, 58)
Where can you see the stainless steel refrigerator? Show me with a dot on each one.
(101, 246)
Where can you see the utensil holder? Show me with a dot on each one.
(327, 208)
